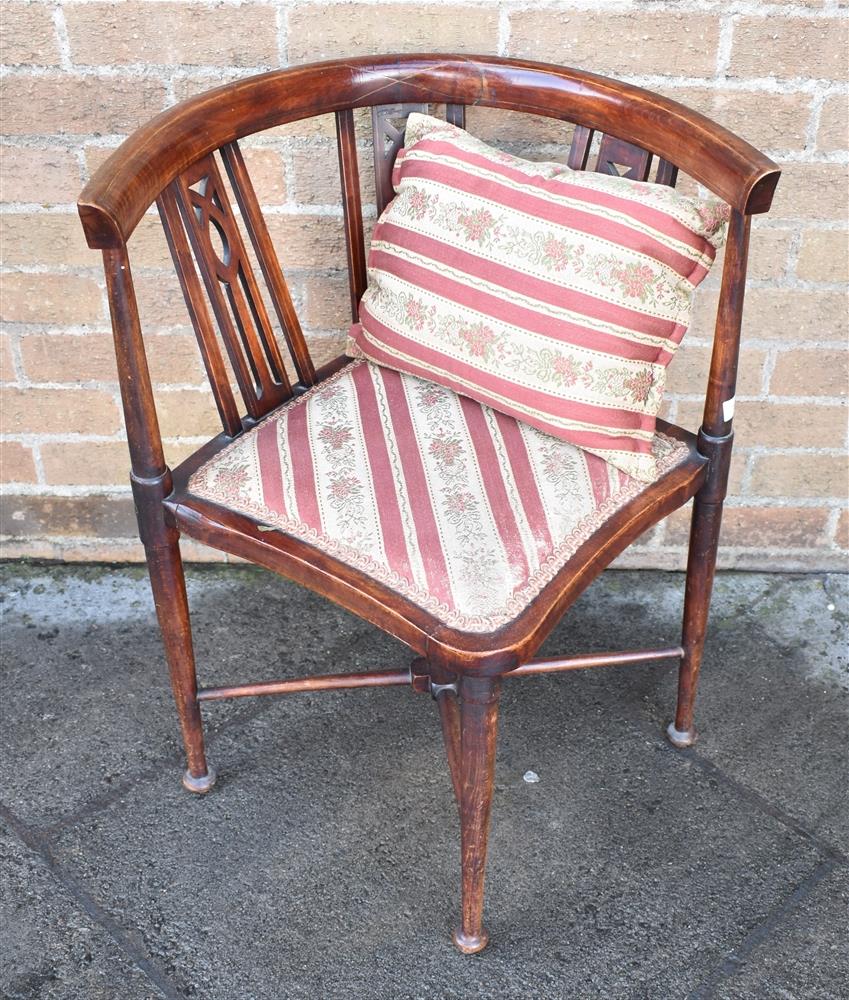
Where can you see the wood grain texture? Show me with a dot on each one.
(118, 195)
(351, 206)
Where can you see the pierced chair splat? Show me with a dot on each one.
(448, 522)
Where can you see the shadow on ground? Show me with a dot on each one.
(325, 862)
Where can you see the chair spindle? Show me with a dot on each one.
(351, 206)
(232, 289)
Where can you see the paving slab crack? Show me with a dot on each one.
(171, 759)
(130, 944)
(753, 798)
(736, 960)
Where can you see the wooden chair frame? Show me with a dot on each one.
(171, 162)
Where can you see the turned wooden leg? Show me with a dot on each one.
(172, 609)
(449, 714)
(478, 727)
(704, 539)
(443, 687)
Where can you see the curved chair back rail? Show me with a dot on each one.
(131, 179)
(173, 160)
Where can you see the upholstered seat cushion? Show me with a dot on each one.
(463, 510)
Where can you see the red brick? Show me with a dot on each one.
(7, 365)
(46, 238)
(499, 126)
(801, 476)
(324, 348)
(688, 373)
(810, 372)
(327, 302)
(794, 314)
(316, 178)
(56, 239)
(187, 413)
(51, 516)
(742, 111)
(617, 42)
(29, 37)
(760, 527)
(50, 298)
(59, 411)
(789, 47)
(812, 191)
(74, 105)
(833, 132)
(768, 253)
(49, 176)
(17, 464)
(167, 33)
(324, 31)
(308, 241)
(85, 463)
(91, 357)
(779, 425)
(824, 256)
(265, 167)
(160, 301)
(841, 535)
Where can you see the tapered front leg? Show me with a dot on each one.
(704, 539)
(172, 609)
(478, 728)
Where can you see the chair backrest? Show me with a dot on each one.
(177, 159)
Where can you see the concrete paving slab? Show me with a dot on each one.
(806, 958)
(50, 947)
(773, 706)
(337, 832)
(86, 693)
(325, 863)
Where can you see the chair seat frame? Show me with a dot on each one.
(170, 161)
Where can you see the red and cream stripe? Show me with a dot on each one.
(556, 296)
(460, 508)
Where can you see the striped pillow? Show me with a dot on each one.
(556, 296)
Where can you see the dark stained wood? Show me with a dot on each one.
(722, 380)
(116, 198)
(478, 729)
(147, 458)
(426, 635)
(172, 161)
(196, 304)
(667, 173)
(297, 685)
(456, 114)
(579, 151)
(172, 611)
(269, 264)
(701, 567)
(449, 717)
(231, 286)
(351, 207)
(388, 125)
(622, 159)
(558, 664)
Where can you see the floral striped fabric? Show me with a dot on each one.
(556, 296)
(462, 509)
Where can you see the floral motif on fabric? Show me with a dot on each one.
(557, 296)
(331, 451)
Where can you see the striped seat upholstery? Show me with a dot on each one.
(463, 510)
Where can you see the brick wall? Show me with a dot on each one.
(82, 74)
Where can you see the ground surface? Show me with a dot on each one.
(325, 862)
